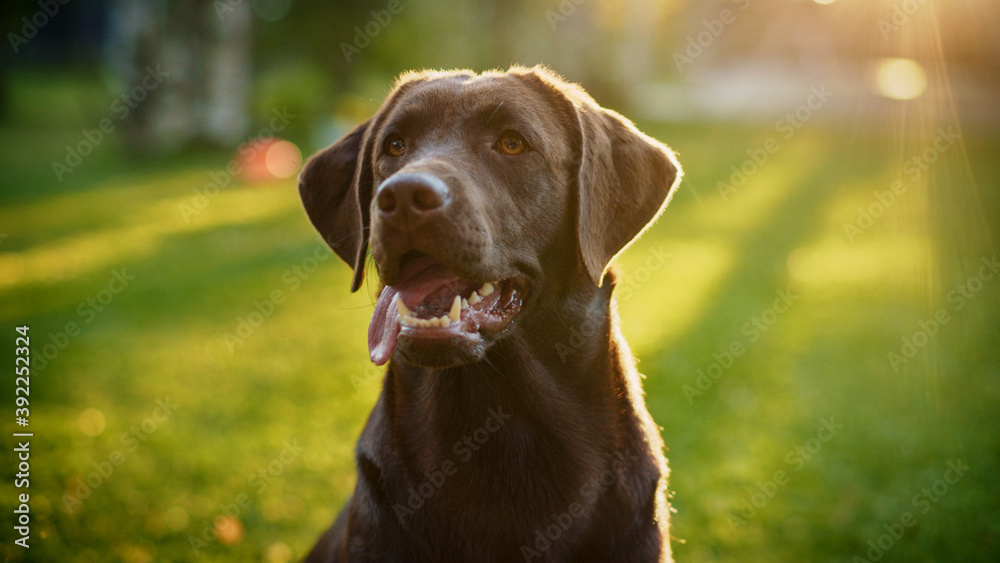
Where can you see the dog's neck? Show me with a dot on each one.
(557, 379)
(542, 420)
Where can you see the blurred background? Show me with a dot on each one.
(817, 313)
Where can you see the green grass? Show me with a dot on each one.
(302, 375)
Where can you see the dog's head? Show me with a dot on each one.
(471, 190)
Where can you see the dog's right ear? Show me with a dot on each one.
(336, 191)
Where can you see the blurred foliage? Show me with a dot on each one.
(299, 88)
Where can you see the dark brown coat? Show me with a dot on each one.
(519, 433)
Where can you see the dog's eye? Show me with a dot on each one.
(512, 143)
(395, 145)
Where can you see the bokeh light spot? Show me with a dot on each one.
(91, 422)
(278, 553)
(283, 159)
(899, 79)
(229, 530)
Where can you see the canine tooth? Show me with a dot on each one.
(456, 309)
(408, 321)
(465, 303)
(403, 311)
(474, 298)
(486, 289)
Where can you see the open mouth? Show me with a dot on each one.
(431, 303)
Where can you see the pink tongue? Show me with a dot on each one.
(384, 328)
(421, 278)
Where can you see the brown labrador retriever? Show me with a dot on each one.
(511, 424)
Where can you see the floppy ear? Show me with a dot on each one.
(336, 191)
(625, 180)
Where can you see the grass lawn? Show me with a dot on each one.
(230, 374)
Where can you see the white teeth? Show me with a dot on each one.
(412, 322)
(407, 318)
(403, 311)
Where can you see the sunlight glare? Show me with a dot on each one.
(900, 79)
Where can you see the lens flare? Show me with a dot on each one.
(899, 79)
(283, 159)
(268, 159)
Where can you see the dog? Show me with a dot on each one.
(511, 423)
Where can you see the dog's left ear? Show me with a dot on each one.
(625, 181)
(336, 190)
(624, 178)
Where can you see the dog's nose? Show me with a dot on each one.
(414, 194)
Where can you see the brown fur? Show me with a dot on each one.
(579, 450)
